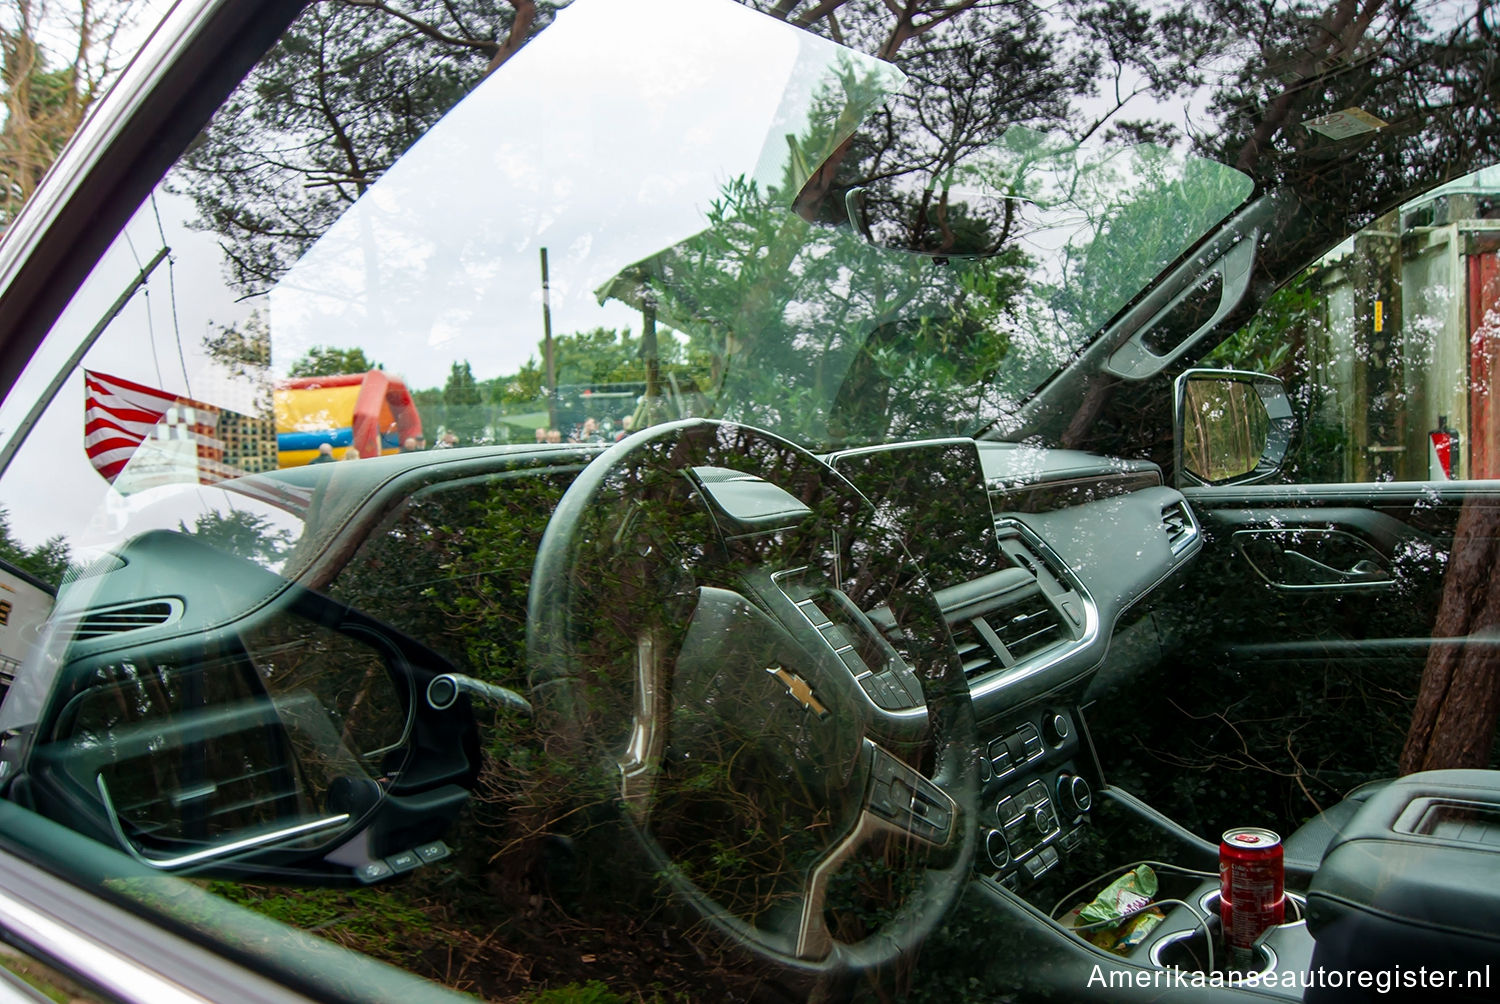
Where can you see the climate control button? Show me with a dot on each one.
(1074, 794)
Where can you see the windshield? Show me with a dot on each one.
(742, 251)
(686, 245)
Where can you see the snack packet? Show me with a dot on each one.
(1129, 892)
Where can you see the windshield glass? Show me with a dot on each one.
(749, 249)
(685, 241)
(755, 313)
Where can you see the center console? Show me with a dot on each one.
(1410, 880)
(1035, 799)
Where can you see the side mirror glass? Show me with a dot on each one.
(1230, 427)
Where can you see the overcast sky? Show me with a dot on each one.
(600, 159)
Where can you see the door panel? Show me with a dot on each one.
(1292, 650)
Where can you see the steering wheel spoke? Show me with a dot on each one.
(899, 802)
(641, 763)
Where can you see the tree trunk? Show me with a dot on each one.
(1458, 702)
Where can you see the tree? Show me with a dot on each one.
(243, 533)
(47, 561)
(296, 145)
(325, 360)
(46, 91)
(1458, 700)
(244, 351)
(461, 390)
(463, 413)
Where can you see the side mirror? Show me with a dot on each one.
(1229, 427)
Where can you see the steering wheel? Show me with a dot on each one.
(719, 621)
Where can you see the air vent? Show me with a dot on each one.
(128, 617)
(1177, 520)
(978, 656)
(1027, 627)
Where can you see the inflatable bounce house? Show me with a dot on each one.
(372, 412)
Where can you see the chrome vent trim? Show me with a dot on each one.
(1180, 526)
(1047, 652)
(1028, 627)
(106, 621)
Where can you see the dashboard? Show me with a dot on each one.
(1035, 557)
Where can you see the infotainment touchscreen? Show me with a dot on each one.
(933, 494)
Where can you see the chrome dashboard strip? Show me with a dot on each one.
(213, 853)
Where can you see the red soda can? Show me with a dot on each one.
(1251, 877)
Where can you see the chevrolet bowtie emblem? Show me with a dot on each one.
(798, 688)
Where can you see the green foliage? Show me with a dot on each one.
(326, 360)
(461, 389)
(243, 533)
(814, 333)
(592, 992)
(246, 350)
(452, 568)
(40, 977)
(1265, 343)
(522, 387)
(597, 992)
(47, 561)
(379, 922)
(603, 356)
(1277, 340)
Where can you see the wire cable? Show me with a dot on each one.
(150, 324)
(172, 295)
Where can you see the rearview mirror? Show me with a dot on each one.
(1229, 427)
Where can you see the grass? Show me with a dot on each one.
(377, 922)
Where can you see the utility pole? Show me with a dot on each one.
(547, 346)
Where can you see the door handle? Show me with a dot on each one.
(1315, 572)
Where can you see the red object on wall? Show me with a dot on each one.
(1484, 362)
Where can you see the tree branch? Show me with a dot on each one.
(520, 28)
(819, 12)
(432, 32)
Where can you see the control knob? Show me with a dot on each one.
(1074, 794)
(997, 849)
(1058, 729)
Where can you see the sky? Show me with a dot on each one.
(440, 261)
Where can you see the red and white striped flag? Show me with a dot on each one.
(119, 415)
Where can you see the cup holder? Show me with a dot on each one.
(1296, 903)
(1185, 949)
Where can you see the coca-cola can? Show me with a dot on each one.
(1251, 890)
